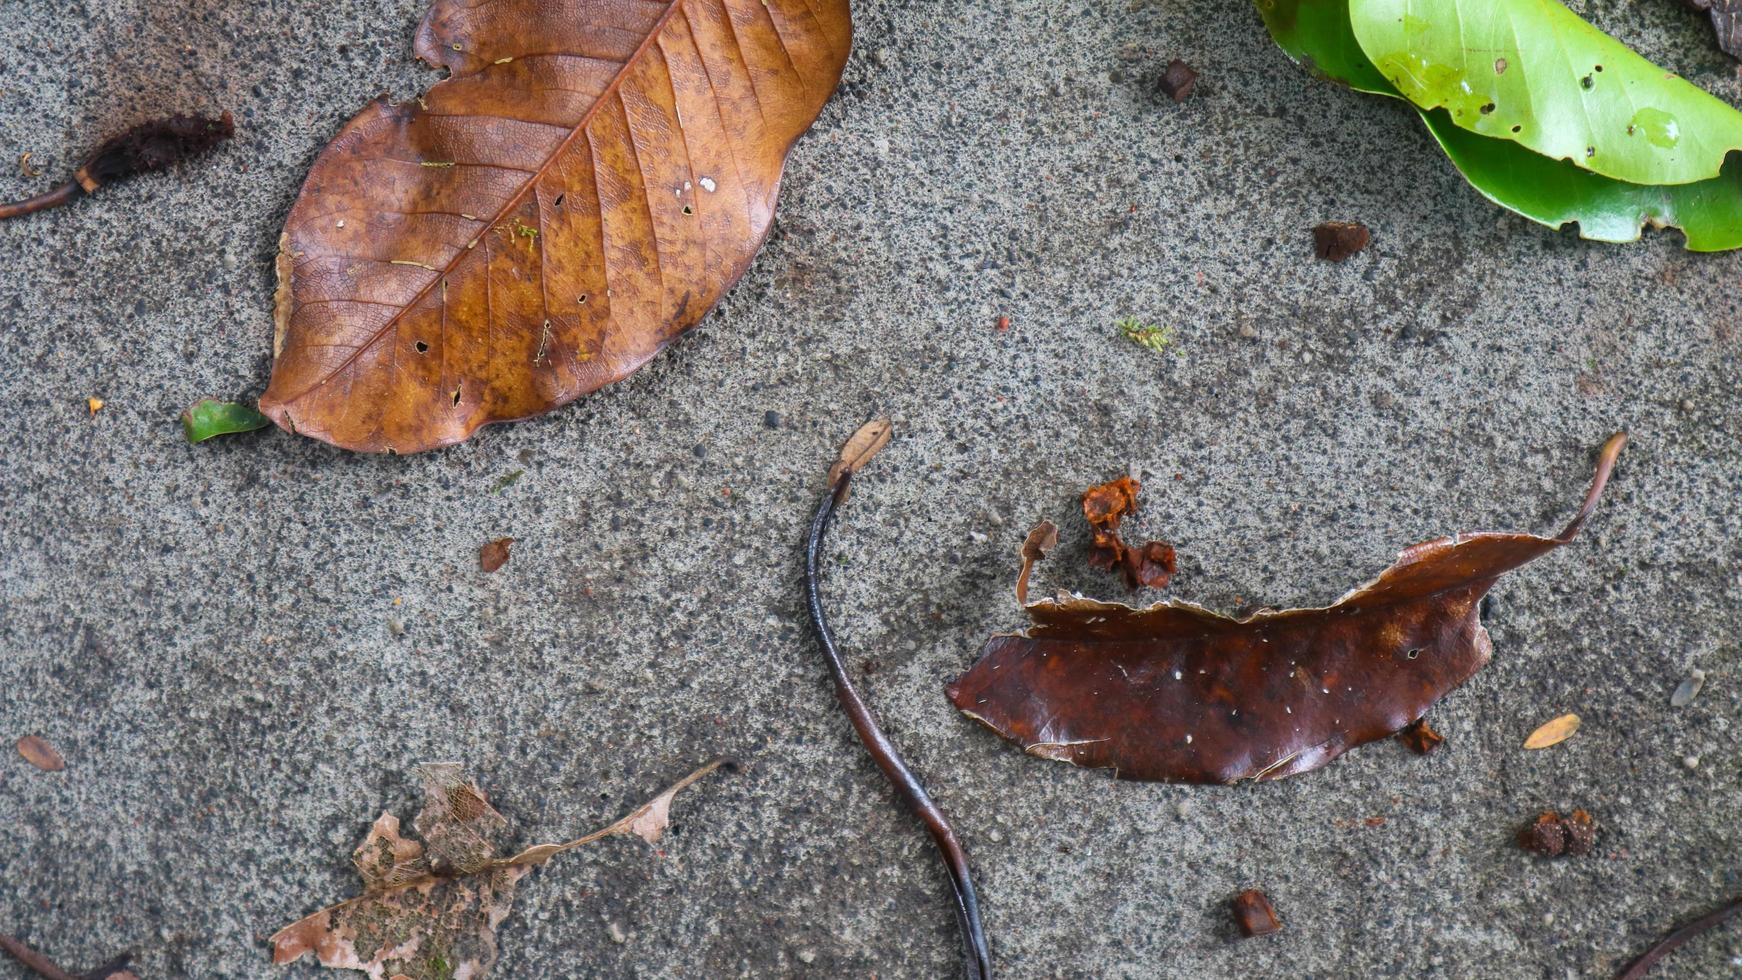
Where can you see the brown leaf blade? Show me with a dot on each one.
(1553, 732)
(1177, 693)
(583, 188)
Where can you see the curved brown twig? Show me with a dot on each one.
(977, 960)
(42, 202)
(1667, 944)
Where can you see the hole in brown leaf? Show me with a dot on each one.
(422, 348)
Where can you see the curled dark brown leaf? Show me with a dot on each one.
(1178, 693)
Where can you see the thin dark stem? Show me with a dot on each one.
(41, 202)
(1667, 944)
(976, 959)
(31, 958)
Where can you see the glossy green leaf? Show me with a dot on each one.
(1554, 192)
(208, 417)
(1533, 72)
(1319, 36)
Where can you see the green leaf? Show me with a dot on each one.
(1554, 192)
(1319, 36)
(208, 417)
(1534, 72)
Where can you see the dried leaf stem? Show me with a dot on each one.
(977, 961)
(1667, 944)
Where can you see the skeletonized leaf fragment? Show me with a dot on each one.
(429, 910)
(583, 188)
(1176, 692)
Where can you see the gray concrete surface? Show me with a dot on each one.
(211, 634)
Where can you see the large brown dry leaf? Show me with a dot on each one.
(429, 911)
(1178, 693)
(586, 185)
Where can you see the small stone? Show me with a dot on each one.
(617, 934)
(1691, 761)
(1248, 331)
(771, 419)
(1184, 809)
(1688, 689)
(1178, 80)
(807, 955)
(395, 627)
(1687, 404)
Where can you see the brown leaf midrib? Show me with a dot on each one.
(610, 90)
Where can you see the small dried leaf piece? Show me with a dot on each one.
(1178, 80)
(1104, 506)
(1421, 737)
(1252, 910)
(39, 753)
(1040, 542)
(584, 186)
(1553, 733)
(494, 554)
(435, 917)
(1337, 240)
(1552, 835)
(861, 447)
(1176, 692)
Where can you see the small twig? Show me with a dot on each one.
(42, 202)
(1667, 944)
(977, 959)
(31, 958)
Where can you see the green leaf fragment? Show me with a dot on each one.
(209, 417)
(1158, 339)
(507, 480)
